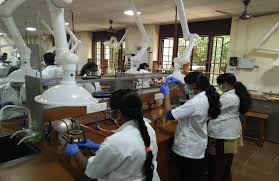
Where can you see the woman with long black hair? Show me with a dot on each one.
(190, 140)
(225, 130)
(130, 153)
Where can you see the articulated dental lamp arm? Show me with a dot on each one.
(187, 36)
(67, 93)
(63, 57)
(122, 39)
(6, 10)
(111, 43)
(142, 55)
(183, 19)
(62, 3)
(138, 20)
(7, 45)
(9, 6)
(44, 23)
(76, 41)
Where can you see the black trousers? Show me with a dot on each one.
(186, 169)
(219, 165)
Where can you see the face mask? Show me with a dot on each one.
(113, 116)
(187, 90)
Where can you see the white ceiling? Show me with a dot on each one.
(92, 15)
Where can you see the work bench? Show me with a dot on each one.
(52, 164)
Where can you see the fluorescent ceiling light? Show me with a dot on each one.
(130, 13)
(66, 23)
(2, 34)
(31, 29)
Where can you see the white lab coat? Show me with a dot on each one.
(190, 139)
(227, 125)
(9, 94)
(122, 156)
(88, 86)
(52, 71)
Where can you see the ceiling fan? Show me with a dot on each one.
(111, 30)
(246, 15)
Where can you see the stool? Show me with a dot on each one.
(259, 117)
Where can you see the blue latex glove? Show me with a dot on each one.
(89, 144)
(165, 89)
(71, 149)
(172, 79)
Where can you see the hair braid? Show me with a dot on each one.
(130, 105)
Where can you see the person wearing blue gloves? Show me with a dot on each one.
(130, 153)
(190, 141)
(73, 149)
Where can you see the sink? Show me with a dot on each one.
(10, 150)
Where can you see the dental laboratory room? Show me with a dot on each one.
(139, 90)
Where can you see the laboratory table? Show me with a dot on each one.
(51, 164)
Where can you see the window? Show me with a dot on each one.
(107, 53)
(167, 53)
(200, 54)
(105, 56)
(209, 55)
(182, 44)
(98, 53)
(219, 57)
(123, 50)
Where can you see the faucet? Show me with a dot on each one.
(29, 133)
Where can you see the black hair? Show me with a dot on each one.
(49, 58)
(240, 90)
(202, 83)
(89, 67)
(142, 66)
(4, 57)
(130, 105)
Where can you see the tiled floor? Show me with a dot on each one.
(253, 163)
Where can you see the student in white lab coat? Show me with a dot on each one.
(225, 130)
(89, 69)
(130, 153)
(190, 139)
(51, 71)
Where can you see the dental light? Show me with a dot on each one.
(6, 10)
(141, 56)
(67, 93)
(187, 36)
(113, 43)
